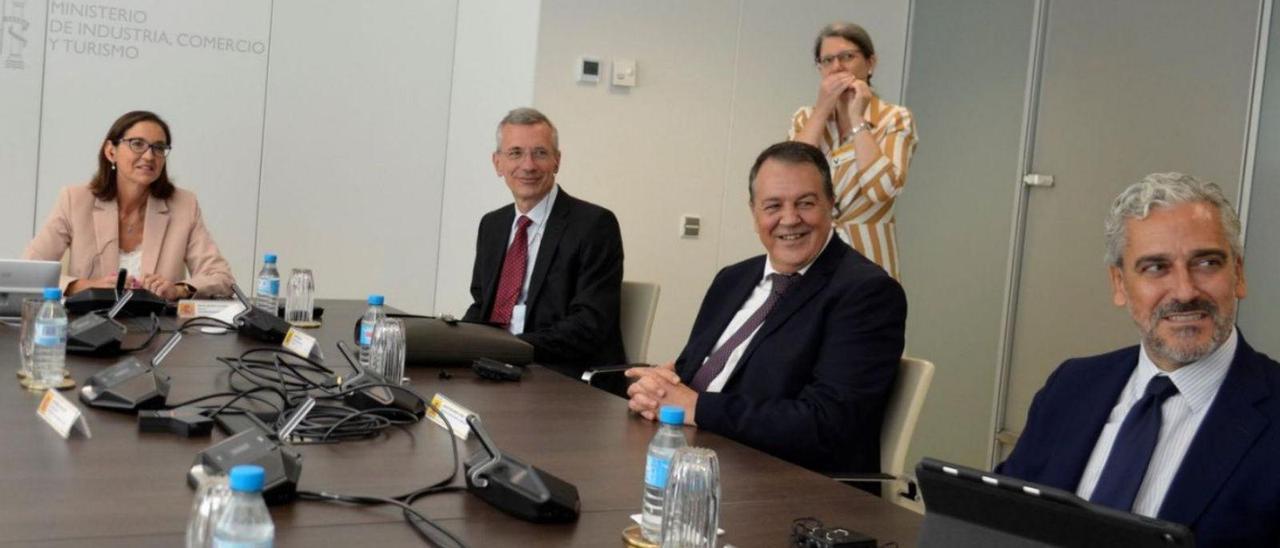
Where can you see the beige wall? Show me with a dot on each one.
(717, 83)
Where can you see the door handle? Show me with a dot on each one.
(1037, 179)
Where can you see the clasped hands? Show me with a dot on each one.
(653, 387)
(844, 90)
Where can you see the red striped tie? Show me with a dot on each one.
(513, 268)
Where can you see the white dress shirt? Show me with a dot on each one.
(538, 215)
(1181, 415)
(754, 302)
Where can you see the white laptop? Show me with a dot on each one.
(20, 279)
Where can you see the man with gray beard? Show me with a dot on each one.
(1186, 426)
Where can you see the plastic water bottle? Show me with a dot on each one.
(245, 522)
(267, 290)
(212, 494)
(670, 437)
(49, 341)
(372, 316)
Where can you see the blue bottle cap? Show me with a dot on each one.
(52, 294)
(671, 414)
(375, 300)
(269, 258)
(247, 477)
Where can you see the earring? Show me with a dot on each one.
(113, 166)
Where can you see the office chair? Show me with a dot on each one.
(638, 306)
(901, 413)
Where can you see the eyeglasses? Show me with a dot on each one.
(518, 154)
(140, 146)
(843, 56)
(810, 533)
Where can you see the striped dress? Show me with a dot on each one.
(864, 198)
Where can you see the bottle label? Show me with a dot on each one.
(269, 286)
(655, 472)
(366, 333)
(50, 333)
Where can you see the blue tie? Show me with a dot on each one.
(1131, 452)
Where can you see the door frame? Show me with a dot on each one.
(1030, 109)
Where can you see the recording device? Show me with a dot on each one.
(367, 394)
(98, 335)
(524, 491)
(130, 385)
(495, 370)
(967, 507)
(283, 466)
(187, 421)
(810, 533)
(258, 324)
(144, 302)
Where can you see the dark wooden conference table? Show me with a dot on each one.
(123, 487)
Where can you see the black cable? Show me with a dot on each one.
(405, 501)
(155, 330)
(416, 519)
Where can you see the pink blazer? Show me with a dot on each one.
(175, 241)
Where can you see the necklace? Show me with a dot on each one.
(130, 226)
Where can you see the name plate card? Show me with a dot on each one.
(452, 412)
(300, 343)
(62, 415)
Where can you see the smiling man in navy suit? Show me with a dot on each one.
(792, 352)
(1186, 425)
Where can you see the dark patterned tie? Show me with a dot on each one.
(716, 362)
(513, 268)
(1131, 452)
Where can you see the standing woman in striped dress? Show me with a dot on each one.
(867, 140)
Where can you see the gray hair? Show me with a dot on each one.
(527, 116)
(1166, 190)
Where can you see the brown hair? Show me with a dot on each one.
(103, 183)
(852, 32)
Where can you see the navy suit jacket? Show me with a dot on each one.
(571, 315)
(812, 384)
(1228, 486)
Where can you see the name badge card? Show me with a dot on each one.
(452, 412)
(62, 415)
(299, 343)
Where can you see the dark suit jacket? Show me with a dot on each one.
(571, 315)
(1228, 486)
(812, 384)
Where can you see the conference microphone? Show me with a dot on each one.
(282, 465)
(524, 491)
(370, 391)
(258, 324)
(144, 302)
(99, 335)
(131, 385)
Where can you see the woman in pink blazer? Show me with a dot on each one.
(131, 216)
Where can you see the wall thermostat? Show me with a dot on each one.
(588, 69)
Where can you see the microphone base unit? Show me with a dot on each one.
(523, 491)
(283, 466)
(129, 385)
(95, 335)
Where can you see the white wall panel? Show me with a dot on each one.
(22, 29)
(493, 67)
(354, 146)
